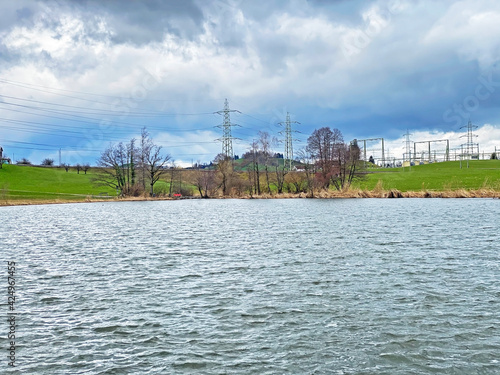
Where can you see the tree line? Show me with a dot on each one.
(327, 162)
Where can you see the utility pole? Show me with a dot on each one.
(180, 180)
(408, 146)
(227, 138)
(288, 156)
(59, 157)
(364, 153)
(383, 153)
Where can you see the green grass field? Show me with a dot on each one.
(44, 183)
(437, 176)
(51, 183)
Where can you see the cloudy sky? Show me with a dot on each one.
(77, 75)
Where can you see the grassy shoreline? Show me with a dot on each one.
(29, 185)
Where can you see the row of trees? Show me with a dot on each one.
(326, 162)
(79, 167)
(47, 162)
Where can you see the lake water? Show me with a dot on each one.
(404, 286)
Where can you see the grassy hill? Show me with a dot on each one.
(437, 176)
(242, 165)
(46, 183)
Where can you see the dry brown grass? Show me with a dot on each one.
(378, 192)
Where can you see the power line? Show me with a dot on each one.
(45, 89)
(103, 112)
(91, 119)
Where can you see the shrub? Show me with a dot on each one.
(23, 161)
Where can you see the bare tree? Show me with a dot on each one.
(85, 167)
(78, 168)
(156, 164)
(280, 177)
(225, 167)
(255, 164)
(172, 171)
(309, 168)
(347, 159)
(145, 148)
(323, 146)
(132, 153)
(112, 171)
(48, 162)
(65, 166)
(250, 173)
(265, 147)
(279, 169)
(205, 182)
(296, 179)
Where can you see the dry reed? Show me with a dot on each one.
(377, 192)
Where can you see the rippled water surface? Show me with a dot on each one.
(256, 287)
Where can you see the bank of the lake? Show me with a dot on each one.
(349, 194)
(22, 185)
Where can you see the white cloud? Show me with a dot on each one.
(463, 29)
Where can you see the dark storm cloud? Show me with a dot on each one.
(142, 22)
(135, 22)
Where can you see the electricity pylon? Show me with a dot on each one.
(470, 146)
(288, 156)
(227, 138)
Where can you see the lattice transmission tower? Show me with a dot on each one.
(288, 156)
(227, 138)
(470, 148)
